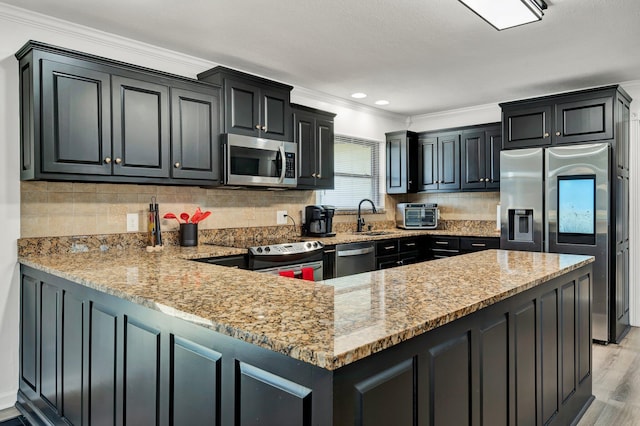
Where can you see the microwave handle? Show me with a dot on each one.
(283, 168)
(225, 163)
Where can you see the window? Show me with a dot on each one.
(357, 174)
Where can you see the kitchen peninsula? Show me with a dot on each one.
(498, 337)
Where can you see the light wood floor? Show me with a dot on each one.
(616, 383)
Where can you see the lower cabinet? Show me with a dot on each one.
(403, 251)
(89, 358)
(447, 246)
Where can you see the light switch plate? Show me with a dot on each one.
(132, 222)
(281, 217)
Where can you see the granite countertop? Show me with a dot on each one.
(383, 234)
(329, 324)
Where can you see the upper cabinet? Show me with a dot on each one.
(480, 161)
(448, 160)
(402, 162)
(313, 132)
(86, 118)
(576, 117)
(253, 106)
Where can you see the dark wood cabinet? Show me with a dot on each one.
(195, 127)
(401, 162)
(253, 106)
(441, 246)
(480, 162)
(141, 136)
(402, 251)
(439, 161)
(577, 117)
(88, 357)
(76, 119)
(313, 132)
(86, 118)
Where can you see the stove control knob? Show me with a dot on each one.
(315, 244)
(267, 249)
(308, 245)
(259, 249)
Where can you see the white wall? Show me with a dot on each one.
(17, 26)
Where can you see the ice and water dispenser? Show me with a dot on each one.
(521, 225)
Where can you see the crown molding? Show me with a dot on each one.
(476, 108)
(99, 37)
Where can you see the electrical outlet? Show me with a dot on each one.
(281, 217)
(132, 222)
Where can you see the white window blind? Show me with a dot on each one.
(356, 172)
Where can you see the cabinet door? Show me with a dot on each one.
(525, 127)
(195, 142)
(449, 161)
(584, 120)
(76, 125)
(242, 108)
(397, 164)
(427, 164)
(324, 154)
(305, 137)
(275, 115)
(141, 128)
(493, 143)
(474, 154)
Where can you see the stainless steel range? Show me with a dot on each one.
(296, 260)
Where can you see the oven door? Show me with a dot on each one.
(258, 162)
(299, 270)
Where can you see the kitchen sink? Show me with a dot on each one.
(373, 233)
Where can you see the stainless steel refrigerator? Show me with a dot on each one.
(558, 200)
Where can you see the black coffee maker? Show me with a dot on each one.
(318, 221)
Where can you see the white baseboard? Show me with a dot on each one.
(8, 399)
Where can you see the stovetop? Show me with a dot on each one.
(286, 248)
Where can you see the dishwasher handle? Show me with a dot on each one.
(355, 252)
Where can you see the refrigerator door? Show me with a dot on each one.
(521, 199)
(577, 219)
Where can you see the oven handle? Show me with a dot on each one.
(356, 252)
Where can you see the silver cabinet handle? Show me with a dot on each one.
(546, 135)
(176, 165)
(118, 160)
(389, 247)
(318, 176)
(356, 252)
(558, 134)
(264, 128)
(443, 243)
(478, 245)
(329, 251)
(107, 160)
(258, 126)
(410, 244)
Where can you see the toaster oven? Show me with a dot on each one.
(417, 216)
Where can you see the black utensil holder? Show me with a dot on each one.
(188, 234)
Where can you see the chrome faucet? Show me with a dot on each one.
(360, 218)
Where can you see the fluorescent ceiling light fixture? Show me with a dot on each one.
(502, 14)
(359, 95)
(382, 102)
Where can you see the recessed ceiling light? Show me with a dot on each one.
(382, 102)
(359, 95)
(503, 14)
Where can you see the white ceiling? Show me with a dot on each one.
(422, 55)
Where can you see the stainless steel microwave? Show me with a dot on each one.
(254, 161)
(417, 216)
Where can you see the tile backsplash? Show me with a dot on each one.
(70, 208)
(65, 208)
(462, 205)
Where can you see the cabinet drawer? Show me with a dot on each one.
(445, 243)
(477, 244)
(386, 262)
(410, 244)
(384, 248)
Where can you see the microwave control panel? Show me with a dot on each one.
(290, 164)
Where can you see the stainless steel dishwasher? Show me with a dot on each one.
(354, 258)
